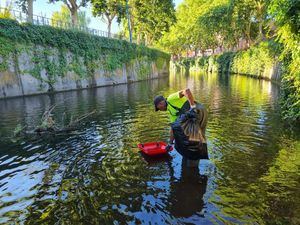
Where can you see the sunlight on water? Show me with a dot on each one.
(96, 175)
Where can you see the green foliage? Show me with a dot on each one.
(109, 10)
(112, 62)
(286, 14)
(160, 63)
(186, 63)
(5, 13)
(62, 70)
(150, 19)
(255, 60)
(208, 24)
(73, 6)
(224, 61)
(75, 2)
(6, 49)
(203, 61)
(186, 32)
(248, 19)
(42, 59)
(63, 18)
(87, 51)
(144, 70)
(216, 31)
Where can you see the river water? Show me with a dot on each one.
(96, 175)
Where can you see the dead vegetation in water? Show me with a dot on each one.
(49, 126)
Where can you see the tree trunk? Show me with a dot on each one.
(147, 39)
(109, 21)
(248, 34)
(30, 11)
(260, 15)
(74, 15)
(128, 21)
(138, 38)
(261, 34)
(201, 51)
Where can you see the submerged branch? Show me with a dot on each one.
(48, 125)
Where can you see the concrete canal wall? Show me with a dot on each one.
(40, 59)
(19, 77)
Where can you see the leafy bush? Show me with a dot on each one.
(203, 61)
(186, 63)
(224, 61)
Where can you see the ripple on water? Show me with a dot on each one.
(96, 175)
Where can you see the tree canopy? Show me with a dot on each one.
(63, 18)
(108, 10)
(208, 24)
(73, 6)
(150, 19)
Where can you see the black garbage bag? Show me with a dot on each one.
(191, 149)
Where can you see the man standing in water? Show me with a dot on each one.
(176, 104)
(188, 125)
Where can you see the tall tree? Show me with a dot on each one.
(151, 18)
(207, 24)
(27, 7)
(247, 16)
(215, 27)
(63, 18)
(73, 6)
(261, 15)
(193, 33)
(108, 10)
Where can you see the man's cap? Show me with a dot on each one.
(157, 100)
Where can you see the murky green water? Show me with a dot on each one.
(97, 176)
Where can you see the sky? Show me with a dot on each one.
(42, 7)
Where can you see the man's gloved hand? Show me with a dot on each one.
(193, 106)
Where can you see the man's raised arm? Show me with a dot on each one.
(188, 94)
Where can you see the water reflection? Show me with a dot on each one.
(97, 176)
(186, 194)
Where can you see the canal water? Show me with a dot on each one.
(96, 175)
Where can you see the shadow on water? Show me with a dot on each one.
(97, 176)
(186, 193)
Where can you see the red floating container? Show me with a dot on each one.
(153, 148)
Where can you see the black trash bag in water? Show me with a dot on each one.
(193, 122)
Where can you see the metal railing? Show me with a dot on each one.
(41, 20)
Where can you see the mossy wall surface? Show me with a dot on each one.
(38, 59)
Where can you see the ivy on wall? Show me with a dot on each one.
(6, 48)
(253, 61)
(89, 52)
(256, 60)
